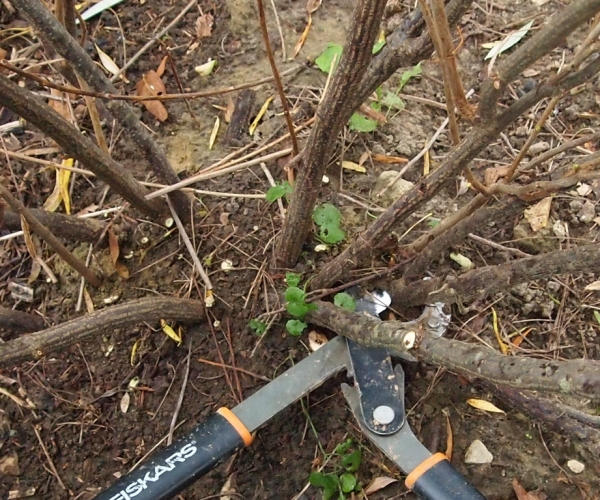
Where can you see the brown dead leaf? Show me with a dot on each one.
(204, 25)
(538, 214)
(389, 159)
(61, 107)
(224, 218)
(89, 304)
(3, 54)
(160, 71)
(379, 483)
(152, 85)
(523, 494)
(230, 109)
(491, 175)
(449, 438)
(113, 244)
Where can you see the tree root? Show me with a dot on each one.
(37, 345)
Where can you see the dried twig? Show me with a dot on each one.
(186, 376)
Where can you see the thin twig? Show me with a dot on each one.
(49, 458)
(157, 37)
(181, 395)
(193, 254)
(165, 97)
(275, 71)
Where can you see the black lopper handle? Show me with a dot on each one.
(437, 479)
(185, 461)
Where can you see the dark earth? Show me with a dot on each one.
(78, 393)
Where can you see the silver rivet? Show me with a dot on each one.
(433, 322)
(383, 415)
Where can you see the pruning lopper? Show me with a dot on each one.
(376, 400)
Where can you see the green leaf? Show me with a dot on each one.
(294, 294)
(352, 461)
(378, 46)
(326, 214)
(280, 190)
(257, 326)
(328, 482)
(331, 234)
(408, 74)
(433, 222)
(597, 316)
(295, 327)
(392, 101)
(344, 300)
(347, 482)
(342, 448)
(292, 279)
(360, 123)
(297, 309)
(325, 59)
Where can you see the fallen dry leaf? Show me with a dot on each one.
(113, 244)
(538, 214)
(523, 494)
(214, 132)
(152, 85)
(491, 175)
(379, 483)
(160, 71)
(313, 5)
(3, 54)
(350, 165)
(109, 64)
(481, 404)
(389, 159)
(230, 109)
(594, 287)
(60, 106)
(204, 25)
(316, 340)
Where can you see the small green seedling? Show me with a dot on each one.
(279, 190)
(342, 479)
(328, 217)
(297, 307)
(345, 301)
(257, 326)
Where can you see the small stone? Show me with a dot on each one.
(392, 193)
(539, 147)
(9, 465)
(575, 466)
(477, 453)
(587, 212)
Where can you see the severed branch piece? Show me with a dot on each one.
(57, 338)
(579, 377)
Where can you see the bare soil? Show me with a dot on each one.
(77, 393)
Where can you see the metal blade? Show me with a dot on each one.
(298, 381)
(403, 448)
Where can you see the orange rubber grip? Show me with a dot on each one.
(237, 424)
(422, 468)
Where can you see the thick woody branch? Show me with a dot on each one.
(545, 40)
(488, 280)
(579, 377)
(106, 321)
(333, 113)
(378, 233)
(75, 144)
(54, 33)
(19, 321)
(69, 227)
